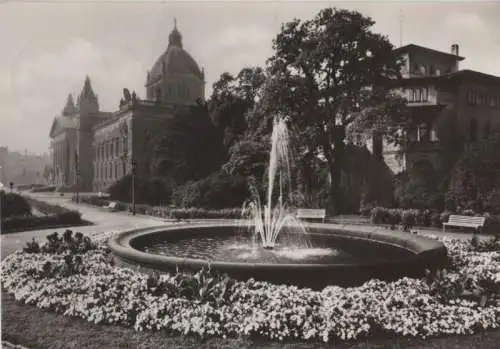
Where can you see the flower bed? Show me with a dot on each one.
(76, 277)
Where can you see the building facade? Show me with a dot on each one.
(93, 149)
(444, 103)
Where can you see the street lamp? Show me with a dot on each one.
(134, 169)
(77, 186)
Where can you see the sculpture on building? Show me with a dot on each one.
(126, 95)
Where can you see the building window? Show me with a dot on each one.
(473, 130)
(117, 146)
(125, 144)
(423, 133)
(417, 95)
(425, 94)
(116, 170)
(487, 129)
(472, 96)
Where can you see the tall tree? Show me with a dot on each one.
(475, 179)
(334, 75)
(232, 97)
(189, 148)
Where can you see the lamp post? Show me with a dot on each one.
(77, 187)
(134, 168)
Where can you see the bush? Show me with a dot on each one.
(18, 223)
(55, 216)
(150, 191)
(47, 189)
(426, 218)
(13, 204)
(217, 191)
(93, 200)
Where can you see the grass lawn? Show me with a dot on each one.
(36, 328)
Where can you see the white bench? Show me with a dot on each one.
(112, 206)
(464, 221)
(310, 213)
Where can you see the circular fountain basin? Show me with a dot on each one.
(335, 256)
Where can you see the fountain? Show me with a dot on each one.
(268, 221)
(275, 246)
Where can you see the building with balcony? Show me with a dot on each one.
(444, 102)
(92, 149)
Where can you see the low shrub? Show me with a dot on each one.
(12, 204)
(55, 216)
(426, 218)
(47, 189)
(166, 211)
(93, 200)
(217, 191)
(69, 218)
(150, 191)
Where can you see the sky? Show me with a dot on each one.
(48, 47)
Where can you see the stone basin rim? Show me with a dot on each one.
(121, 246)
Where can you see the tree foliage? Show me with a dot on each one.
(189, 148)
(216, 191)
(333, 72)
(475, 180)
(147, 190)
(232, 97)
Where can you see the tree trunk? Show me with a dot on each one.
(335, 168)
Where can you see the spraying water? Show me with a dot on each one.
(268, 220)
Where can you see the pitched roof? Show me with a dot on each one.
(62, 122)
(417, 48)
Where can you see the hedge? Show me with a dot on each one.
(46, 189)
(56, 216)
(12, 204)
(426, 218)
(167, 212)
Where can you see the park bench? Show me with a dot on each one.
(112, 206)
(465, 222)
(311, 213)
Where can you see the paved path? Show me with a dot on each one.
(105, 221)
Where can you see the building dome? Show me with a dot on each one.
(174, 60)
(175, 69)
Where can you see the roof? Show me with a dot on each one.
(417, 48)
(473, 75)
(174, 60)
(62, 122)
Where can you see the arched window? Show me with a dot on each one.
(158, 94)
(473, 130)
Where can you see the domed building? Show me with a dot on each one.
(175, 76)
(92, 149)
